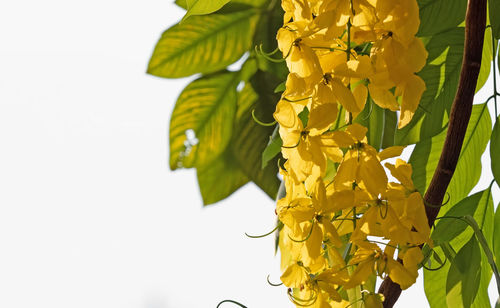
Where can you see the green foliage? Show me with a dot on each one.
(441, 75)
(222, 109)
(468, 170)
(203, 7)
(448, 229)
(487, 57)
(208, 107)
(496, 235)
(255, 3)
(390, 128)
(444, 43)
(464, 275)
(435, 282)
(211, 128)
(425, 157)
(250, 139)
(494, 8)
(495, 150)
(220, 179)
(272, 149)
(237, 165)
(203, 44)
(433, 11)
(373, 118)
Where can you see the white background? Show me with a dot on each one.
(90, 215)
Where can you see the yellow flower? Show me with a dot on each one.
(365, 259)
(402, 172)
(401, 17)
(318, 227)
(412, 90)
(300, 58)
(295, 276)
(305, 147)
(373, 300)
(361, 165)
(298, 10)
(370, 259)
(298, 89)
(333, 90)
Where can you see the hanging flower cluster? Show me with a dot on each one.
(340, 233)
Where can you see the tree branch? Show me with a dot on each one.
(475, 23)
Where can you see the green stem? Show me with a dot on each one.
(448, 251)
(260, 122)
(232, 302)
(349, 115)
(495, 93)
(484, 244)
(263, 235)
(354, 294)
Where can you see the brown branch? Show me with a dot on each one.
(475, 23)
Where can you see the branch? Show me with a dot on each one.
(475, 23)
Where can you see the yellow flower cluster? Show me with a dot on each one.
(339, 53)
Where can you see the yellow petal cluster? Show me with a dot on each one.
(340, 231)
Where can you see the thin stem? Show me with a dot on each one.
(296, 100)
(260, 122)
(382, 243)
(263, 235)
(484, 244)
(231, 301)
(495, 92)
(307, 237)
(482, 240)
(273, 284)
(435, 269)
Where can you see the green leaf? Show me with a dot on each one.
(248, 69)
(269, 25)
(373, 118)
(241, 160)
(482, 298)
(464, 275)
(265, 36)
(494, 150)
(254, 3)
(485, 218)
(250, 139)
(272, 149)
(425, 157)
(304, 116)
(280, 88)
(207, 107)
(486, 59)
(437, 258)
(220, 179)
(181, 3)
(496, 235)
(435, 281)
(437, 16)
(468, 170)
(203, 44)
(390, 127)
(203, 7)
(441, 75)
(448, 228)
(494, 8)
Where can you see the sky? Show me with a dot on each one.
(90, 214)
